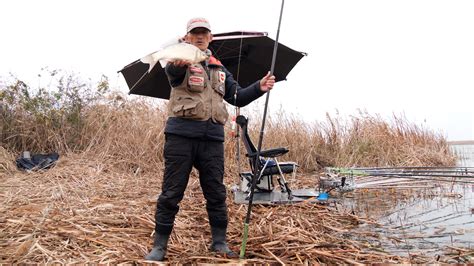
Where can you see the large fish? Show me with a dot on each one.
(179, 51)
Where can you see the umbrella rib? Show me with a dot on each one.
(222, 44)
(229, 50)
(224, 41)
(133, 87)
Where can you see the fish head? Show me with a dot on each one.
(201, 56)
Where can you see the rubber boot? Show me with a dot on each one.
(158, 251)
(219, 243)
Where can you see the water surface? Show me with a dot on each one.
(421, 218)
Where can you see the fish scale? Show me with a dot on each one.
(180, 51)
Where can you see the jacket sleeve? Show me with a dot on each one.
(244, 96)
(175, 74)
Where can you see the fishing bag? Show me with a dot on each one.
(36, 161)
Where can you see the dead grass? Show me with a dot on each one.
(358, 141)
(132, 132)
(97, 205)
(84, 210)
(7, 160)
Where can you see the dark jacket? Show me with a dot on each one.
(208, 130)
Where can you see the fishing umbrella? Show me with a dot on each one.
(247, 55)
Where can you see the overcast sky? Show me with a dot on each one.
(386, 57)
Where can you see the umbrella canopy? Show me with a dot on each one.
(247, 55)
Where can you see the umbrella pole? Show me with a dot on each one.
(256, 168)
(237, 113)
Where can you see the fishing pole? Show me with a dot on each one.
(429, 173)
(374, 172)
(417, 168)
(357, 172)
(426, 178)
(460, 170)
(256, 168)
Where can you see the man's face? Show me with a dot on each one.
(199, 37)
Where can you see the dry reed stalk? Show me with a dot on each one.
(6, 162)
(131, 129)
(97, 204)
(84, 210)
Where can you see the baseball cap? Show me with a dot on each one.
(198, 23)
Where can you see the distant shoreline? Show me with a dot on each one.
(461, 142)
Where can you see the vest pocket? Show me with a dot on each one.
(189, 108)
(218, 82)
(196, 83)
(221, 113)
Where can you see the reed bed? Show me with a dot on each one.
(97, 205)
(133, 132)
(83, 210)
(76, 116)
(86, 211)
(361, 140)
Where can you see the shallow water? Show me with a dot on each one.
(427, 223)
(424, 222)
(465, 153)
(425, 218)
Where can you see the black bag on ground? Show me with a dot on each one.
(37, 161)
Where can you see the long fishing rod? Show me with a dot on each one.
(414, 167)
(426, 178)
(373, 172)
(457, 169)
(256, 168)
(429, 173)
(421, 170)
(434, 177)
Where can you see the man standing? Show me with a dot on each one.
(194, 136)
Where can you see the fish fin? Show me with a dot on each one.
(172, 41)
(149, 59)
(163, 63)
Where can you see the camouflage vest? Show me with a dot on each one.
(200, 97)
